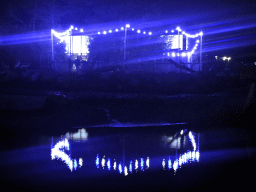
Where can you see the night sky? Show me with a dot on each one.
(229, 26)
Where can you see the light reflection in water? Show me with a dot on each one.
(136, 164)
(59, 151)
(114, 166)
(75, 164)
(142, 164)
(103, 162)
(80, 162)
(125, 171)
(163, 164)
(120, 168)
(169, 163)
(97, 161)
(130, 167)
(186, 157)
(147, 162)
(108, 164)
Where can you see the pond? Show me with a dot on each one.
(133, 157)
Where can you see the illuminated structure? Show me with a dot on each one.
(178, 45)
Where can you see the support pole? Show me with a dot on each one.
(52, 47)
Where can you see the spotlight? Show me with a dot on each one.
(138, 31)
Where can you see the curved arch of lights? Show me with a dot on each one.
(59, 152)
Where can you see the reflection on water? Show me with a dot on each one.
(81, 134)
(61, 151)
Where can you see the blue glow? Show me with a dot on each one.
(127, 25)
(189, 155)
(138, 31)
(99, 33)
(166, 31)
(81, 30)
(172, 31)
(104, 32)
(197, 41)
(97, 162)
(130, 167)
(150, 33)
(120, 168)
(75, 164)
(178, 28)
(201, 33)
(142, 164)
(76, 29)
(132, 29)
(173, 54)
(108, 164)
(110, 31)
(144, 32)
(71, 27)
(116, 30)
(122, 28)
(169, 163)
